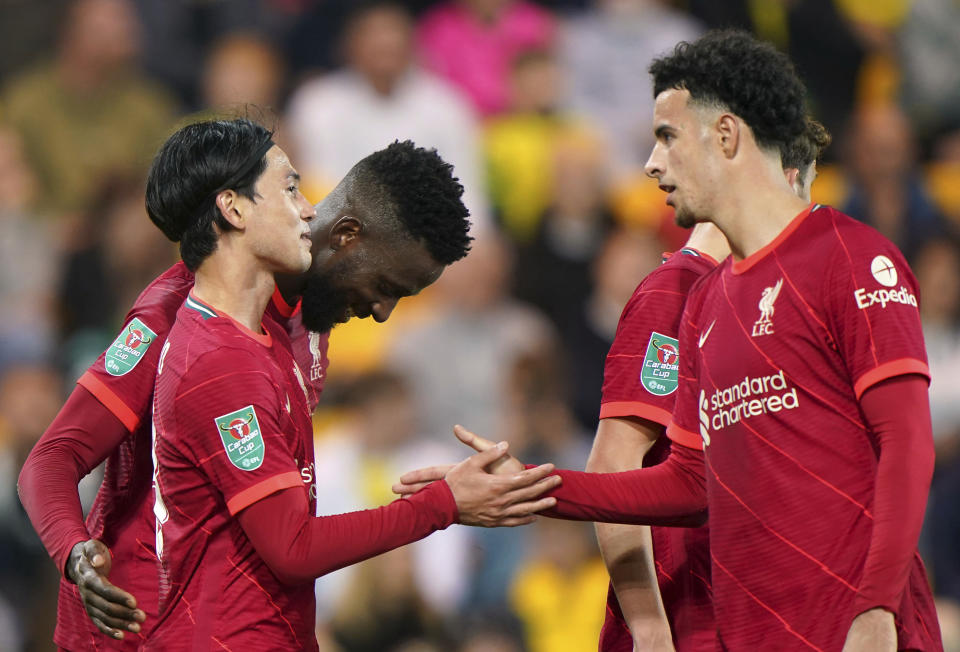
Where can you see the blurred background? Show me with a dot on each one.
(545, 110)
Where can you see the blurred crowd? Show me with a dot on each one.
(545, 108)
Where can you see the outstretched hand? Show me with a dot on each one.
(505, 498)
(413, 481)
(111, 609)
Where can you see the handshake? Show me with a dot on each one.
(491, 488)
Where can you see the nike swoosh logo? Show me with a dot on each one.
(706, 334)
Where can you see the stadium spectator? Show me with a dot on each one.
(938, 273)
(520, 143)
(472, 43)
(380, 96)
(605, 51)
(570, 234)
(887, 191)
(357, 459)
(243, 68)
(29, 256)
(90, 110)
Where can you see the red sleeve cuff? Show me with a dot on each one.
(900, 367)
(439, 495)
(684, 437)
(111, 401)
(634, 409)
(263, 489)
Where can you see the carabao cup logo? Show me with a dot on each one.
(661, 365)
(239, 428)
(136, 337)
(240, 435)
(666, 352)
(129, 348)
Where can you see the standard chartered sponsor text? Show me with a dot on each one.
(751, 397)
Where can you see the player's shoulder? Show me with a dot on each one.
(678, 272)
(160, 301)
(850, 238)
(702, 285)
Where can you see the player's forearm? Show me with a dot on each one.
(299, 547)
(671, 493)
(898, 413)
(81, 436)
(627, 550)
(627, 553)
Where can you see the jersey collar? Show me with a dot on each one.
(206, 311)
(741, 266)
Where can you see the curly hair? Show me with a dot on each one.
(195, 164)
(421, 195)
(808, 147)
(732, 69)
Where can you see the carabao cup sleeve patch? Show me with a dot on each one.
(661, 365)
(129, 348)
(240, 433)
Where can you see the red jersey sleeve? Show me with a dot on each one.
(872, 297)
(81, 436)
(122, 378)
(231, 424)
(640, 372)
(685, 427)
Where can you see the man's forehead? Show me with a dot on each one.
(411, 265)
(279, 160)
(672, 100)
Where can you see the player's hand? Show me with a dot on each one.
(413, 481)
(490, 500)
(505, 465)
(111, 609)
(872, 631)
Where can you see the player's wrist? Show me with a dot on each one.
(73, 560)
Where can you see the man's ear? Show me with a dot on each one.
(345, 231)
(793, 176)
(729, 132)
(228, 205)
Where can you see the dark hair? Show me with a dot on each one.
(421, 195)
(807, 148)
(749, 77)
(196, 163)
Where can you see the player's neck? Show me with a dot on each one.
(227, 283)
(708, 239)
(753, 216)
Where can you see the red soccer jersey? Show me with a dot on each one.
(232, 426)
(640, 379)
(122, 513)
(782, 345)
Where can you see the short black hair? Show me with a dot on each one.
(751, 78)
(421, 195)
(197, 162)
(808, 147)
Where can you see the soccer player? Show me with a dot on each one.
(236, 538)
(107, 415)
(640, 382)
(802, 418)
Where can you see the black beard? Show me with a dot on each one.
(323, 305)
